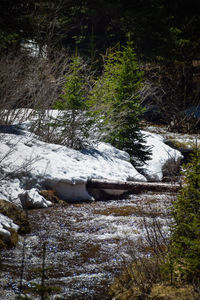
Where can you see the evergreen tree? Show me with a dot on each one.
(117, 102)
(186, 227)
(73, 122)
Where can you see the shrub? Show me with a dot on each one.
(185, 238)
(144, 280)
(170, 96)
(171, 269)
(29, 82)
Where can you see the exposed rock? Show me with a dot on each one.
(18, 216)
(8, 232)
(171, 170)
(33, 199)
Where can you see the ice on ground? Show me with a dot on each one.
(28, 165)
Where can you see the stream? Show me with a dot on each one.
(87, 245)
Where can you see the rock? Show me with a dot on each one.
(33, 199)
(8, 232)
(18, 216)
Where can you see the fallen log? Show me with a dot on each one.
(132, 186)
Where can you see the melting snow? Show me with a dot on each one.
(28, 165)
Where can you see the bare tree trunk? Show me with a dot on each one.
(135, 187)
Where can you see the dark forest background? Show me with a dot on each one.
(165, 36)
(164, 31)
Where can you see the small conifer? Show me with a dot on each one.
(186, 226)
(116, 99)
(73, 122)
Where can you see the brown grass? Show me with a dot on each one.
(128, 211)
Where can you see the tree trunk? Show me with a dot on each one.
(134, 187)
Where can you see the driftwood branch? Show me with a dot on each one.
(134, 187)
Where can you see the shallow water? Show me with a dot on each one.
(87, 244)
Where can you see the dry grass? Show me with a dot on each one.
(145, 280)
(129, 211)
(185, 292)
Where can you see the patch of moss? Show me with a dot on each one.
(117, 211)
(91, 251)
(15, 213)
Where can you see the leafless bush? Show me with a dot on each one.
(29, 88)
(69, 126)
(171, 89)
(29, 82)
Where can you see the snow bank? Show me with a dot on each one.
(162, 155)
(28, 165)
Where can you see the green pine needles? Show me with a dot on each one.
(74, 88)
(116, 99)
(73, 121)
(186, 228)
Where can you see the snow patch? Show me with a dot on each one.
(162, 154)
